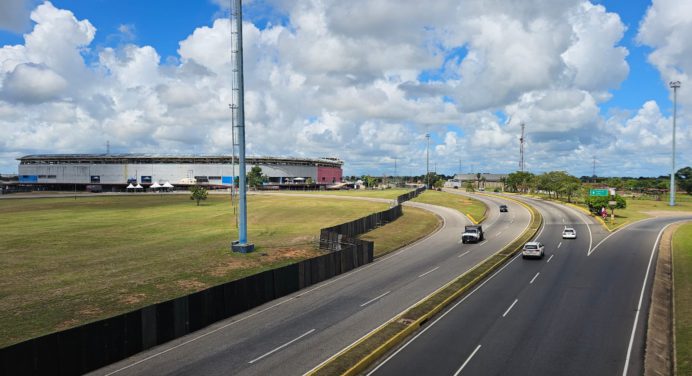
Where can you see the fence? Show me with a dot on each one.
(333, 238)
(88, 347)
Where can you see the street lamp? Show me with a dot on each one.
(427, 162)
(675, 85)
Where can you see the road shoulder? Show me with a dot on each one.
(659, 337)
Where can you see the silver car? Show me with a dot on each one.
(533, 249)
(569, 233)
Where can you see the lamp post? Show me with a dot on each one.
(675, 85)
(427, 162)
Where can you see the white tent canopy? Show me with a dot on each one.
(138, 186)
(155, 185)
(130, 186)
(167, 185)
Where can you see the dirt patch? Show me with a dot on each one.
(67, 324)
(291, 253)
(132, 299)
(191, 285)
(229, 266)
(90, 311)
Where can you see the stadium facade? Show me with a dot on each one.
(112, 172)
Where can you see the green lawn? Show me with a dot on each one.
(413, 225)
(682, 279)
(68, 261)
(461, 203)
(375, 193)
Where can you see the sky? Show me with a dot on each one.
(360, 80)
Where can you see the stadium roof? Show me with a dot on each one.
(172, 158)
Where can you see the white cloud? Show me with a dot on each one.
(32, 83)
(359, 79)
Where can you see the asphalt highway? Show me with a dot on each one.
(581, 310)
(292, 335)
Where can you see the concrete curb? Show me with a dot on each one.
(409, 326)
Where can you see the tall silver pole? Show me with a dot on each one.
(427, 162)
(242, 244)
(675, 85)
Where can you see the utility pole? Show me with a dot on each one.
(427, 162)
(395, 172)
(675, 85)
(240, 245)
(521, 149)
(593, 173)
(108, 147)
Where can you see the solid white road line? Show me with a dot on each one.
(498, 234)
(373, 299)
(510, 307)
(463, 254)
(282, 346)
(429, 271)
(467, 361)
(641, 298)
(483, 242)
(550, 258)
(613, 233)
(534, 278)
(559, 244)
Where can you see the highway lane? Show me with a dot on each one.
(296, 333)
(570, 313)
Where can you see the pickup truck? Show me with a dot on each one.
(472, 234)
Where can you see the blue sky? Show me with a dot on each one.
(360, 80)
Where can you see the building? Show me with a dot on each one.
(114, 172)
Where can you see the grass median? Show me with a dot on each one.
(66, 262)
(356, 358)
(682, 280)
(463, 204)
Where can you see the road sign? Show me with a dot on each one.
(612, 203)
(598, 192)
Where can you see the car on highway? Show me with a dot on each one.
(503, 208)
(569, 233)
(533, 249)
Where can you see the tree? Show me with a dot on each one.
(595, 203)
(198, 193)
(370, 181)
(684, 179)
(439, 183)
(255, 178)
(469, 187)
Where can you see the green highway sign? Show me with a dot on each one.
(598, 192)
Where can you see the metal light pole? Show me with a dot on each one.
(675, 85)
(240, 245)
(427, 162)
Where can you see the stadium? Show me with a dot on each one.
(116, 172)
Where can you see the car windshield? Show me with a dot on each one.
(569, 231)
(530, 246)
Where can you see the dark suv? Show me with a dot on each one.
(503, 208)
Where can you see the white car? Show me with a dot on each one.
(533, 249)
(569, 233)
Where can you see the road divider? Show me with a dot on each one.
(357, 357)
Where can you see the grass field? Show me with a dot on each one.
(67, 261)
(461, 203)
(682, 273)
(375, 193)
(413, 225)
